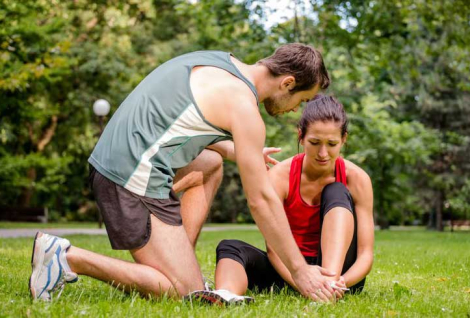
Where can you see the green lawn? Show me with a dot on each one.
(415, 274)
(51, 225)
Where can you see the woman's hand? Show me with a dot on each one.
(339, 287)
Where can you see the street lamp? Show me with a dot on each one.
(101, 108)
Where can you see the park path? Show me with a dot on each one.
(12, 233)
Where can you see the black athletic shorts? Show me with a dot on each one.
(262, 275)
(126, 215)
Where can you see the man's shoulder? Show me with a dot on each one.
(224, 82)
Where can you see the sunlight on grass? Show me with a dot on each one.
(51, 225)
(415, 273)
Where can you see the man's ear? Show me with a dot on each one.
(288, 82)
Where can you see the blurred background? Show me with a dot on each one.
(400, 67)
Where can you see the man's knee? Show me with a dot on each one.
(213, 163)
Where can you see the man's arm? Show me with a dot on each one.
(279, 178)
(280, 268)
(249, 134)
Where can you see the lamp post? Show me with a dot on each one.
(101, 108)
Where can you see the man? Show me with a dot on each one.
(182, 117)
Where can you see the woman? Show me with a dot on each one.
(328, 202)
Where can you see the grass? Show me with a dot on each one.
(51, 225)
(415, 274)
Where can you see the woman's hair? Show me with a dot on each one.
(323, 108)
(303, 62)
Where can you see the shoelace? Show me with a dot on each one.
(208, 283)
(60, 284)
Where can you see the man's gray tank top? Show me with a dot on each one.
(159, 128)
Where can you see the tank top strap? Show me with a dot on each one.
(222, 60)
(340, 171)
(295, 173)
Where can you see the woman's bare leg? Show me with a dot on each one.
(231, 275)
(336, 237)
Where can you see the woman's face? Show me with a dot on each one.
(322, 144)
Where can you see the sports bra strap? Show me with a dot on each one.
(340, 171)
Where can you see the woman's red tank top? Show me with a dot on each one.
(304, 219)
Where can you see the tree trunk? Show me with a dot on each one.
(46, 137)
(439, 210)
(233, 215)
(27, 193)
(432, 219)
(383, 217)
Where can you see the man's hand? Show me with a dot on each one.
(267, 151)
(312, 282)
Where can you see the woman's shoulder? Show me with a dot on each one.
(282, 169)
(279, 177)
(360, 187)
(355, 174)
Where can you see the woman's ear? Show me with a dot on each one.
(299, 136)
(344, 138)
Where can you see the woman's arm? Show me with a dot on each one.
(226, 149)
(360, 187)
(280, 268)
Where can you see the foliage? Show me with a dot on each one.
(393, 155)
(400, 68)
(410, 56)
(415, 53)
(458, 202)
(57, 58)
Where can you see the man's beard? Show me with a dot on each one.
(273, 106)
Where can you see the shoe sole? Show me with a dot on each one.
(37, 258)
(214, 299)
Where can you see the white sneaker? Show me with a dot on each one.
(219, 297)
(50, 270)
(208, 284)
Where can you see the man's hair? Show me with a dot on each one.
(323, 108)
(303, 62)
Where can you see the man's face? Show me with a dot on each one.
(284, 101)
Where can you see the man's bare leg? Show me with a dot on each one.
(199, 181)
(166, 264)
(231, 275)
(336, 237)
